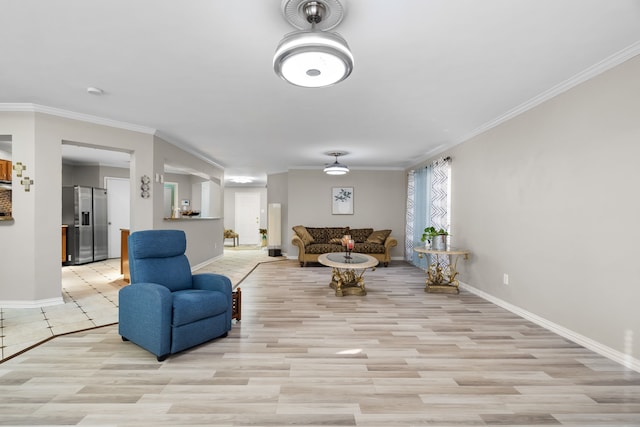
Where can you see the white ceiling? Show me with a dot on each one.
(428, 73)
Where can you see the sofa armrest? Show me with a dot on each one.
(297, 241)
(390, 242)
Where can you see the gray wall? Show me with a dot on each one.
(551, 199)
(34, 261)
(379, 202)
(204, 236)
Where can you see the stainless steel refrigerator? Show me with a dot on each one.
(84, 211)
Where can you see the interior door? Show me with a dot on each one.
(247, 218)
(118, 211)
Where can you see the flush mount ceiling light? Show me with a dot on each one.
(336, 168)
(95, 91)
(313, 57)
(241, 179)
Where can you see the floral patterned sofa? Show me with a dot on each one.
(314, 241)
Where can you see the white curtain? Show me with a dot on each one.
(440, 196)
(418, 212)
(428, 204)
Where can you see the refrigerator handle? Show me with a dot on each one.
(85, 218)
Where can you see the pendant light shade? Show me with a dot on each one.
(336, 168)
(313, 57)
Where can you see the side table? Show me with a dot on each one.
(441, 276)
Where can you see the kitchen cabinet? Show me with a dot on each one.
(5, 170)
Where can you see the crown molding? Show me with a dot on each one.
(36, 108)
(587, 74)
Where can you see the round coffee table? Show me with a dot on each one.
(347, 274)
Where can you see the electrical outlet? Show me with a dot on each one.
(505, 279)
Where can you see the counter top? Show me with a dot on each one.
(190, 218)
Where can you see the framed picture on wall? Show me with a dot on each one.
(342, 200)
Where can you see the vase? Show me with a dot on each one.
(439, 242)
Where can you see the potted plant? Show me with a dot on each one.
(263, 235)
(437, 238)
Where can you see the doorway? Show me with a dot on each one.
(247, 218)
(118, 211)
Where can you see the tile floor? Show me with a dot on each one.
(90, 294)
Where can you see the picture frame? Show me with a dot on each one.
(342, 201)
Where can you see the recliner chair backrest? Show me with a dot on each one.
(158, 256)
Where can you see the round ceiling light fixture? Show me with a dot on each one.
(313, 58)
(336, 168)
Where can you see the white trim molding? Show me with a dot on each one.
(621, 358)
(32, 304)
(36, 108)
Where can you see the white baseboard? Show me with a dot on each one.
(205, 263)
(32, 304)
(621, 358)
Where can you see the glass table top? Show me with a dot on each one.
(340, 257)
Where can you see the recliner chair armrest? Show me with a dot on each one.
(144, 316)
(212, 282)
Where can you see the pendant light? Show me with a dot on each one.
(313, 57)
(336, 168)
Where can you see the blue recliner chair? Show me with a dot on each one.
(166, 309)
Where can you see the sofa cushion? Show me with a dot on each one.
(336, 241)
(336, 233)
(192, 305)
(319, 234)
(303, 234)
(378, 236)
(369, 248)
(323, 248)
(359, 235)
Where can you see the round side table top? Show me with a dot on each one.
(337, 260)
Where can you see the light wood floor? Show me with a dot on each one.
(301, 356)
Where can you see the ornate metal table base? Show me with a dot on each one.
(348, 281)
(441, 276)
(347, 274)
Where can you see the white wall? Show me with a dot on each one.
(551, 199)
(379, 203)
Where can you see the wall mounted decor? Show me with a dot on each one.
(342, 200)
(27, 183)
(144, 186)
(19, 167)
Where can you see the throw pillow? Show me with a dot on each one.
(378, 236)
(336, 241)
(303, 234)
(359, 235)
